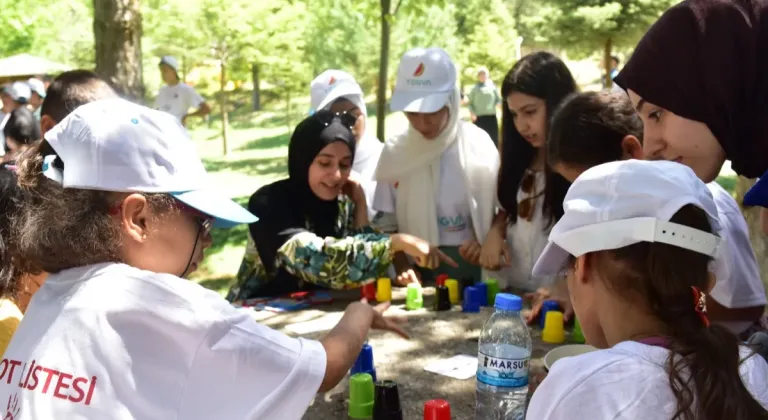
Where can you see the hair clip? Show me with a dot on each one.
(700, 304)
(51, 171)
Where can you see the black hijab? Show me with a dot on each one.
(707, 60)
(289, 206)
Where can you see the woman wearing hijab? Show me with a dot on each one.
(697, 80)
(337, 91)
(438, 177)
(313, 226)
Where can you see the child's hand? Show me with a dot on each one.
(470, 251)
(392, 324)
(408, 276)
(494, 253)
(537, 299)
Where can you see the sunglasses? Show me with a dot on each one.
(526, 207)
(345, 118)
(203, 221)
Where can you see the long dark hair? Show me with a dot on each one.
(10, 197)
(704, 361)
(544, 76)
(587, 129)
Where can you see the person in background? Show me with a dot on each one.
(436, 179)
(313, 226)
(68, 91)
(484, 99)
(614, 69)
(338, 92)
(38, 95)
(21, 129)
(529, 192)
(635, 244)
(593, 128)
(13, 96)
(86, 188)
(177, 97)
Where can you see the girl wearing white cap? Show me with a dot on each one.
(117, 209)
(636, 242)
(438, 176)
(338, 92)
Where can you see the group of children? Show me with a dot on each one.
(106, 215)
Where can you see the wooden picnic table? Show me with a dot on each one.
(434, 336)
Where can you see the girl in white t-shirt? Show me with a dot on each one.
(529, 192)
(117, 208)
(436, 179)
(635, 243)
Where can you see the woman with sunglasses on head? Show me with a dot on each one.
(529, 192)
(337, 91)
(313, 227)
(436, 179)
(117, 208)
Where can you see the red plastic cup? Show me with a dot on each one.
(437, 410)
(368, 292)
(440, 280)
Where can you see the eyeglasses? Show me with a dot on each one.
(346, 118)
(203, 221)
(526, 207)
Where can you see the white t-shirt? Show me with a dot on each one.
(109, 341)
(628, 381)
(454, 216)
(743, 287)
(366, 158)
(178, 99)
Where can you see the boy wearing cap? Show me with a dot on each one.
(37, 87)
(438, 177)
(13, 96)
(177, 97)
(484, 100)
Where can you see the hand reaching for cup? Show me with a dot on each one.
(425, 254)
(543, 294)
(388, 323)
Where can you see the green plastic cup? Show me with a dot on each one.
(577, 336)
(414, 298)
(493, 290)
(361, 396)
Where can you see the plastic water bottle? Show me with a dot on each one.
(504, 350)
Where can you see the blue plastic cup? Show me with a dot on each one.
(364, 362)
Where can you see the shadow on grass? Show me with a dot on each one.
(728, 182)
(251, 167)
(266, 142)
(219, 285)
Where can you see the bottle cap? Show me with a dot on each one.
(548, 305)
(440, 280)
(483, 291)
(384, 289)
(387, 402)
(360, 396)
(553, 333)
(453, 291)
(471, 300)
(508, 302)
(368, 291)
(413, 298)
(577, 335)
(437, 410)
(493, 290)
(443, 299)
(364, 362)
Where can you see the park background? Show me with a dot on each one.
(253, 61)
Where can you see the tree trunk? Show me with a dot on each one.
(381, 94)
(256, 87)
(223, 103)
(756, 236)
(608, 48)
(117, 36)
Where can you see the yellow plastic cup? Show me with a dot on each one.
(383, 289)
(453, 291)
(554, 332)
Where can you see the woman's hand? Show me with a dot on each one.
(425, 254)
(494, 253)
(354, 189)
(392, 324)
(470, 251)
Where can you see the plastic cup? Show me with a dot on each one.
(442, 299)
(453, 291)
(577, 336)
(440, 280)
(383, 289)
(368, 291)
(548, 305)
(361, 399)
(414, 299)
(493, 290)
(471, 302)
(464, 283)
(437, 410)
(364, 362)
(553, 333)
(483, 291)
(387, 402)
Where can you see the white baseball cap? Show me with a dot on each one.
(18, 91)
(116, 145)
(37, 86)
(426, 78)
(621, 203)
(171, 62)
(331, 85)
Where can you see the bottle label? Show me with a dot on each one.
(496, 371)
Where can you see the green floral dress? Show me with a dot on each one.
(357, 257)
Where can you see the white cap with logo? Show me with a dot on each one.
(331, 85)
(426, 78)
(621, 203)
(171, 62)
(116, 145)
(18, 91)
(37, 86)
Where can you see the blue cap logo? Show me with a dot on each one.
(134, 120)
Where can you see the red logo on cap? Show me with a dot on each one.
(419, 70)
(331, 80)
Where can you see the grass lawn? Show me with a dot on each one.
(258, 145)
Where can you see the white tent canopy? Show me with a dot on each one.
(28, 65)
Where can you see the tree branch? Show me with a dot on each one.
(399, 2)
